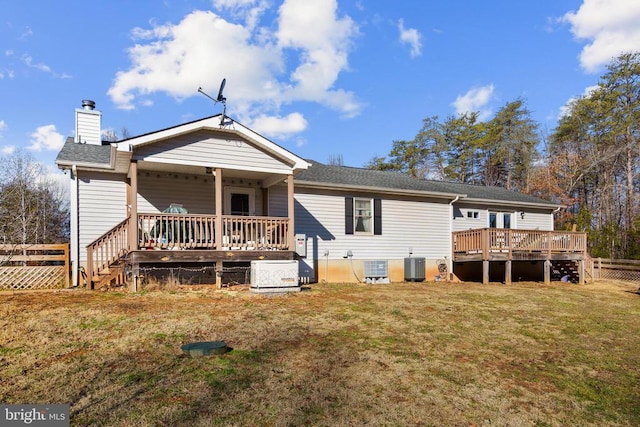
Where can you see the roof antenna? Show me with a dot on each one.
(220, 98)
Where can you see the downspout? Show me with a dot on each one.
(555, 211)
(450, 257)
(75, 227)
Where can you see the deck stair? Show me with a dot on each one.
(562, 268)
(112, 276)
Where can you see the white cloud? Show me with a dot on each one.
(8, 149)
(565, 109)
(3, 125)
(474, 101)
(27, 33)
(279, 127)
(611, 26)
(248, 10)
(28, 60)
(199, 51)
(412, 37)
(312, 29)
(46, 138)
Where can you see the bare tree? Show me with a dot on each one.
(32, 207)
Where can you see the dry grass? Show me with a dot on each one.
(400, 354)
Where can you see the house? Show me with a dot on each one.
(212, 194)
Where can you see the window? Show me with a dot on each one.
(473, 214)
(239, 201)
(362, 216)
(239, 204)
(506, 221)
(500, 219)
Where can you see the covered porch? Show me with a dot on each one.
(239, 227)
(508, 245)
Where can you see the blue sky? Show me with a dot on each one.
(319, 77)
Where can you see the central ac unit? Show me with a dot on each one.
(414, 269)
(376, 271)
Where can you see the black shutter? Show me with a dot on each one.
(377, 217)
(348, 215)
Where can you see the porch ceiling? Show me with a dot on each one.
(200, 170)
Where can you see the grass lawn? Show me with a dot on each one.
(400, 354)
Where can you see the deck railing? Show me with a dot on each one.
(255, 232)
(487, 240)
(193, 231)
(107, 249)
(187, 231)
(172, 230)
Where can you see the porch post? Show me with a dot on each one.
(218, 197)
(507, 272)
(485, 255)
(218, 225)
(485, 272)
(547, 272)
(290, 208)
(133, 206)
(581, 272)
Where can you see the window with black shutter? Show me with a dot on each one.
(362, 215)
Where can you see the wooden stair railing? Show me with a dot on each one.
(106, 250)
(589, 267)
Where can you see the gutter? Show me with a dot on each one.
(494, 202)
(397, 191)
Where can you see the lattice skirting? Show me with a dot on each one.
(34, 277)
(619, 274)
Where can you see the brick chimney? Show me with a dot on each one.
(88, 123)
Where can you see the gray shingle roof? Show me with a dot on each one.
(73, 152)
(346, 176)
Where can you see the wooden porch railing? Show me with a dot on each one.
(192, 231)
(182, 231)
(107, 249)
(487, 240)
(187, 231)
(255, 232)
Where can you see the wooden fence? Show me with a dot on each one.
(27, 267)
(617, 269)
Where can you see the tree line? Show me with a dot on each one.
(33, 207)
(588, 163)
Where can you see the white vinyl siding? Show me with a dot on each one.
(88, 127)
(421, 226)
(103, 203)
(535, 221)
(461, 220)
(278, 200)
(157, 190)
(208, 150)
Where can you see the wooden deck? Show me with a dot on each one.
(497, 244)
(507, 245)
(189, 238)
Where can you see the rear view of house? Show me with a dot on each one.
(212, 193)
(198, 194)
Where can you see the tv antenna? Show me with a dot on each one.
(219, 98)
